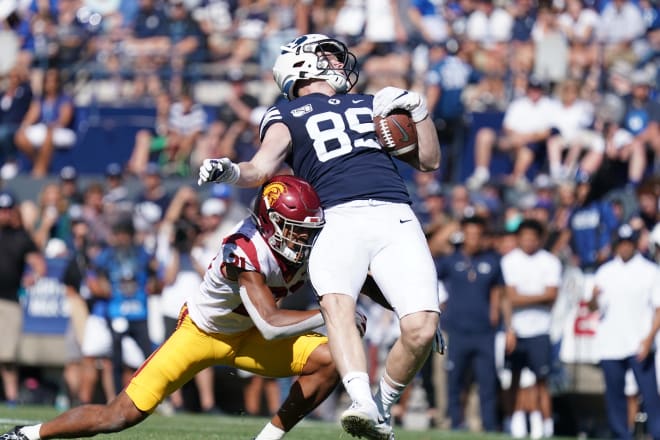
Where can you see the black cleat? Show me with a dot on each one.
(14, 434)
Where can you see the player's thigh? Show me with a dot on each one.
(340, 258)
(404, 269)
(186, 352)
(277, 358)
(11, 317)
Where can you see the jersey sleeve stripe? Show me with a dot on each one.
(272, 115)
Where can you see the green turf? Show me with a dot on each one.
(196, 427)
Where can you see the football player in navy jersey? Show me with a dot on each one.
(326, 136)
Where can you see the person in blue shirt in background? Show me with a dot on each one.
(473, 280)
(126, 274)
(449, 74)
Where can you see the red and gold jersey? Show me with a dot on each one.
(217, 307)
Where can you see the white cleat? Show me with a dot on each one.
(359, 423)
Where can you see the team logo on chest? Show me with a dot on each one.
(301, 111)
(273, 191)
(333, 101)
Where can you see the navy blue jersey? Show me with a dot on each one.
(334, 148)
(468, 282)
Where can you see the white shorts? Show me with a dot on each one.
(62, 137)
(384, 239)
(97, 343)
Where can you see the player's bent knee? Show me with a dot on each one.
(320, 361)
(418, 329)
(120, 414)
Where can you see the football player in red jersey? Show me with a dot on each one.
(326, 136)
(233, 320)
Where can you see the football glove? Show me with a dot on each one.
(218, 170)
(390, 98)
(361, 322)
(439, 345)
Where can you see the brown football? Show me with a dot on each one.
(397, 134)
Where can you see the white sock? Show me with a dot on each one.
(548, 428)
(536, 425)
(518, 425)
(31, 432)
(482, 172)
(270, 432)
(387, 395)
(358, 388)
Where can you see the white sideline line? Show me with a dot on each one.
(18, 422)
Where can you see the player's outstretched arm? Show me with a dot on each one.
(264, 164)
(273, 322)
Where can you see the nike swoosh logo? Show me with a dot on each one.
(405, 221)
(403, 94)
(355, 101)
(404, 133)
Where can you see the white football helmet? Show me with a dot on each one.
(308, 57)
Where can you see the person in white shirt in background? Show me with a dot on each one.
(532, 277)
(627, 295)
(525, 129)
(572, 118)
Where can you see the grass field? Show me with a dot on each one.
(196, 427)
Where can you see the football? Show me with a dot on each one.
(397, 134)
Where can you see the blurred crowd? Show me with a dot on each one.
(571, 156)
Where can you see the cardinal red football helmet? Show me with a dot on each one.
(289, 216)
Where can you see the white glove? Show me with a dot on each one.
(361, 322)
(218, 170)
(390, 98)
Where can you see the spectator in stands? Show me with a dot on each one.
(19, 253)
(525, 129)
(174, 141)
(579, 24)
(69, 186)
(472, 279)
(126, 274)
(627, 293)
(14, 104)
(550, 46)
(625, 155)
(49, 218)
(93, 212)
(572, 119)
(251, 19)
(238, 106)
(116, 200)
(532, 276)
(642, 112)
(153, 200)
(382, 49)
(48, 125)
(150, 141)
(621, 25)
(147, 45)
(446, 79)
(187, 44)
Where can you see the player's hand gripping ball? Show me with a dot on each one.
(397, 134)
